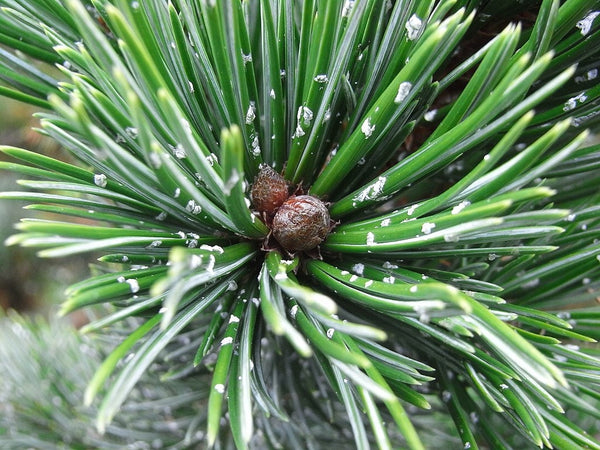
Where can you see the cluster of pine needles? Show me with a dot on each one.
(454, 301)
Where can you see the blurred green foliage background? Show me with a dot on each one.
(27, 283)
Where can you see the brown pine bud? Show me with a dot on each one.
(269, 190)
(301, 223)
